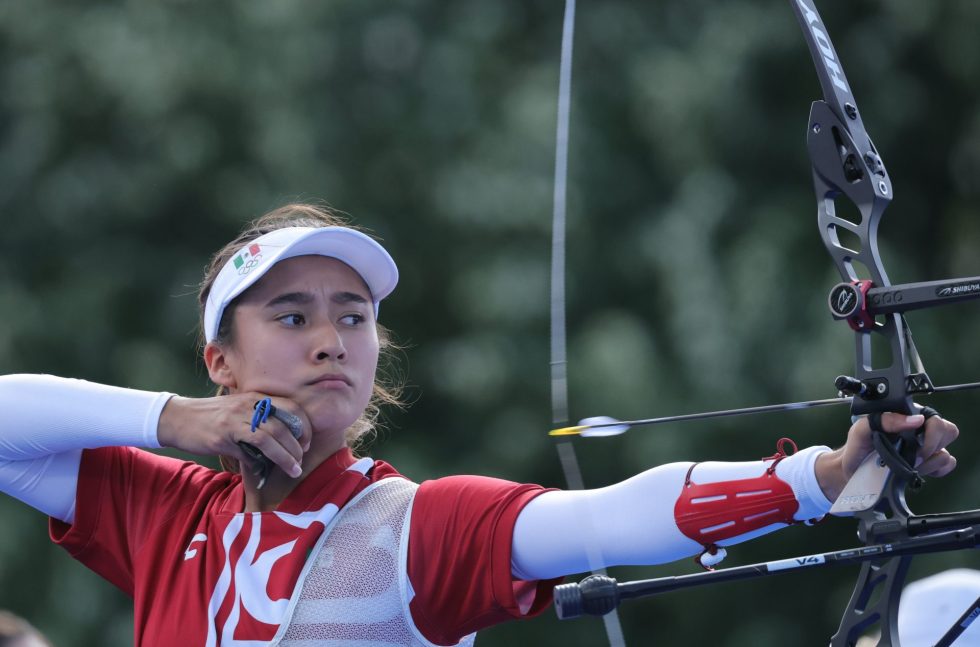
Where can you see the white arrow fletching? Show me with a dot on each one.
(612, 430)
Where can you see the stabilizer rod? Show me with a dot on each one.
(599, 594)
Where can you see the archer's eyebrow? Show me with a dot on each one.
(291, 298)
(305, 298)
(348, 297)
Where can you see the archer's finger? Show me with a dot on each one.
(297, 422)
(939, 434)
(276, 452)
(283, 435)
(896, 422)
(287, 414)
(939, 464)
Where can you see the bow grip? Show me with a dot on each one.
(899, 454)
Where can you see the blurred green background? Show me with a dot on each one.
(137, 137)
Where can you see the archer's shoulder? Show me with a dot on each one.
(474, 490)
(141, 468)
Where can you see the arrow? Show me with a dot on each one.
(600, 426)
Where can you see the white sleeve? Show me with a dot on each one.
(632, 522)
(47, 421)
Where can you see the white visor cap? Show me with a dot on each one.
(930, 606)
(361, 252)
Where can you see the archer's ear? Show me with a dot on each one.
(216, 359)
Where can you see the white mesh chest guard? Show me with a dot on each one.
(354, 590)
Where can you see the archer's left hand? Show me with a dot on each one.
(834, 469)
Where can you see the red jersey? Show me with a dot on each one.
(172, 535)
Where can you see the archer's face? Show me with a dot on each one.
(306, 331)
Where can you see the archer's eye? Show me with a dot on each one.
(353, 319)
(293, 320)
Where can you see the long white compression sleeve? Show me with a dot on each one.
(47, 421)
(632, 522)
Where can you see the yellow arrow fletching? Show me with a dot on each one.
(568, 431)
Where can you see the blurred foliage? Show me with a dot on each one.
(137, 137)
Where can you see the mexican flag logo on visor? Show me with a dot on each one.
(248, 258)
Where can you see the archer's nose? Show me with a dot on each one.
(328, 345)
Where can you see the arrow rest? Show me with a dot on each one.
(871, 389)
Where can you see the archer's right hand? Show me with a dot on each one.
(215, 426)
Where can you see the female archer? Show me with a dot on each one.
(303, 542)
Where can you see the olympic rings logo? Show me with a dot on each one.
(248, 265)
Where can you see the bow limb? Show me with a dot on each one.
(847, 165)
(559, 363)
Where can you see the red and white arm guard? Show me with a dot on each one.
(665, 514)
(710, 513)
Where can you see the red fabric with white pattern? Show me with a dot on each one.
(712, 512)
(172, 535)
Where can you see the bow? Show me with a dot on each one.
(888, 374)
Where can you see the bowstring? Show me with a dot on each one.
(559, 346)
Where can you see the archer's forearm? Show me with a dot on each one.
(633, 522)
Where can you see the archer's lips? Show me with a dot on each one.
(331, 381)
